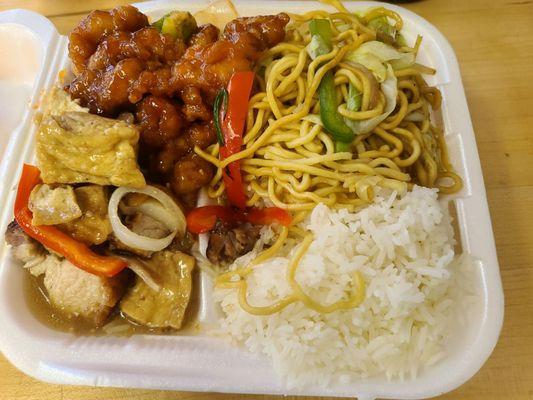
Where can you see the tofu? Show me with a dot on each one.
(73, 146)
(57, 101)
(164, 308)
(53, 205)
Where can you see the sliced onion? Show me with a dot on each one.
(415, 116)
(203, 238)
(142, 272)
(174, 219)
(152, 208)
(218, 13)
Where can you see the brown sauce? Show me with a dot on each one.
(116, 325)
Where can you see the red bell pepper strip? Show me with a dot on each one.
(49, 236)
(265, 216)
(203, 219)
(239, 90)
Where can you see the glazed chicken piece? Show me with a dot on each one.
(124, 67)
(160, 120)
(209, 63)
(190, 174)
(117, 58)
(197, 134)
(86, 36)
(127, 66)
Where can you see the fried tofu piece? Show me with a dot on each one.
(77, 147)
(164, 308)
(74, 146)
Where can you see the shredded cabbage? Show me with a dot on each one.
(355, 97)
(390, 90)
(374, 54)
(317, 47)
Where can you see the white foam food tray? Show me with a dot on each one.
(32, 54)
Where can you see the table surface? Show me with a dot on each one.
(493, 40)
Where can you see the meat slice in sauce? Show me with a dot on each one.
(73, 292)
(53, 205)
(228, 243)
(24, 248)
(76, 293)
(164, 308)
(143, 225)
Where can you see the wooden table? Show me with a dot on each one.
(493, 40)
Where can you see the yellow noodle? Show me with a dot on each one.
(289, 159)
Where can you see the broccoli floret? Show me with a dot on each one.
(178, 24)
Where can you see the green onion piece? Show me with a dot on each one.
(219, 107)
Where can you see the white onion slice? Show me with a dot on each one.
(153, 209)
(203, 238)
(142, 271)
(174, 220)
(218, 13)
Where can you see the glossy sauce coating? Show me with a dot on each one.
(124, 65)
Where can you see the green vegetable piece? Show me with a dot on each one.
(342, 147)
(158, 24)
(178, 24)
(219, 107)
(355, 98)
(400, 40)
(320, 44)
(332, 120)
(320, 30)
(385, 32)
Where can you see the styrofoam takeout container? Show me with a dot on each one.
(32, 54)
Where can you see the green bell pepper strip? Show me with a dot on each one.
(320, 30)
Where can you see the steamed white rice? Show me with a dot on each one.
(404, 248)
